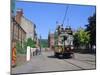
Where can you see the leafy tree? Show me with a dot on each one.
(76, 39)
(31, 42)
(91, 27)
(81, 37)
(84, 37)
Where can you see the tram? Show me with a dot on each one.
(64, 42)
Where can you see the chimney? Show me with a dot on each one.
(19, 14)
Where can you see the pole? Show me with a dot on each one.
(40, 44)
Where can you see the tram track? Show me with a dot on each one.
(78, 65)
(85, 61)
(74, 65)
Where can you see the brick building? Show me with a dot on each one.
(17, 33)
(26, 24)
(51, 40)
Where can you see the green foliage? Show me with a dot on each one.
(44, 43)
(76, 39)
(81, 37)
(20, 49)
(25, 44)
(84, 37)
(91, 27)
(31, 43)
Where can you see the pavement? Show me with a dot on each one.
(46, 62)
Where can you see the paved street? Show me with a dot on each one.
(47, 62)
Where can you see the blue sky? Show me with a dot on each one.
(45, 15)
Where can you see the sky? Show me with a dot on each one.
(45, 15)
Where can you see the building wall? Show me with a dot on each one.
(26, 24)
(17, 33)
(28, 27)
(51, 40)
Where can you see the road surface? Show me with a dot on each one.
(46, 62)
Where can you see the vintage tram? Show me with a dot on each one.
(64, 42)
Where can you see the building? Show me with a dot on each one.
(17, 33)
(26, 24)
(51, 40)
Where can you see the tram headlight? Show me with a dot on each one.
(72, 47)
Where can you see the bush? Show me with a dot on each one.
(20, 49)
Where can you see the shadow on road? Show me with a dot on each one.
(51, 57)
(59, 57)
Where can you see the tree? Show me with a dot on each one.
(76, 39)
(84, 37)
(31, 42)
(91, 27)
(81, 37)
